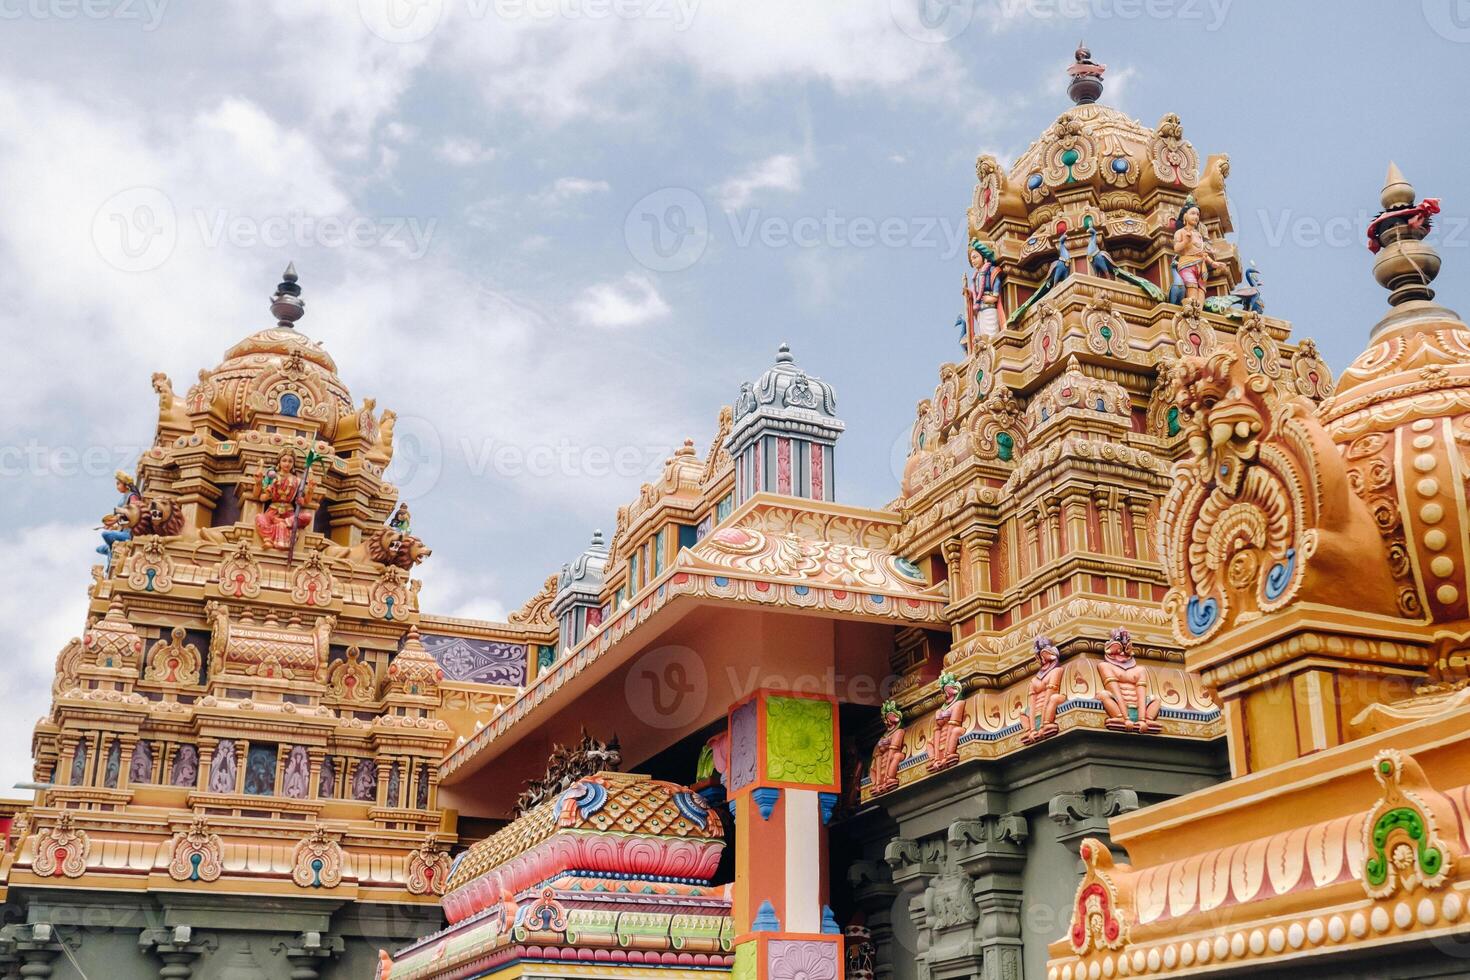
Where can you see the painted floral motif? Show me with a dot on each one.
(150, 569)
(799, 740)
(1402, 846)
(428, 868)
(239, 574)
(174, 661)
(802, 960)
(196, 854)
(1097, 921)
(316, 861)
(62, 850)
(744, 737)
(350, 679)
(312, 583)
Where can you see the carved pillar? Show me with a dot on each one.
(991, 851)
(1086, 814)
(35, 946)
(1074, 522)
(69, 745)
(959, 586)
(977, 548)
(872, 887)
(1137, 507)
(783, 783)
(308, 953)
(125, 760)
(178, 948)
(206, 762)
(242, 756)
(1105, 504)
(316, 756)
(1054, 537)
(384, 764)
(915, 863)
(1034, 557)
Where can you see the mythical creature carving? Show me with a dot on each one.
(1126, 682)
(173, 413)
(889, 752)
(316, 861)
(384, 546)
(949, 724)
(1261, 511)
(1044, 695)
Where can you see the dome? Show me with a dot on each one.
(785, 391)
(581, 580)
(277, 372)
(1401, 416)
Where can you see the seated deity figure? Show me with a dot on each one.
(287, 499)
(1125, 694)
(140, 769)
(949, 725)
(1045, 694)
(365, 782)
(888, 754)
(115, 526)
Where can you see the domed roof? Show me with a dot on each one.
(785, 393)
(582, 579)
(278, 371)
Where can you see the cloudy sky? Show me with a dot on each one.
(555, 235)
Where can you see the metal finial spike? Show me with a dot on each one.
(1397, 191)
(290, 274)
(597, 538)
(287, 306)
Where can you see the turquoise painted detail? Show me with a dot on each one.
(765, 919)
(1279, 577)
(765, 800)
(1201, 615)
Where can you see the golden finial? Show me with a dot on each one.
(1405, 263)
(1397, 192)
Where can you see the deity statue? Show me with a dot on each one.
(260, 771)
(1125, 694)
(888, 754)
(1045, 694)
(949, 724)
(140, 769)
(114, 765)
(288, 499)
(117, 526)
(327, 784)
(222, 769)
(982, 289)
(421, 797)
(79, 764)
(1192, 253)
(296, 782)
(173, 414)
(365, 782)
(186, 767)
(401, 521)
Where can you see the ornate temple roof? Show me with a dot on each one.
(785, 396)
(582, 579)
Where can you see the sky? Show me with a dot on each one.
(556, 235)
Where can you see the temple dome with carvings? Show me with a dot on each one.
(277, 373)
(1401, 414)
(785, 391)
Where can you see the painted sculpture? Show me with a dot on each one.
(984, 312)
(1192, 253)
(118, 525)
(1125, 695)
(888, 754)
(1101, 263)
(1060, 269)
(287, 499)
(949, 724)
(1044, 696)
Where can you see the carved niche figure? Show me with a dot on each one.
(140, 769)
(288, 500)
(79, 764)
(1192, 253)
(1045, 694)
(296, 782)
(949, 724)
(1125, 694)
(327, 785)
(186, 767)
(113, 769)
(222, 769)
(365, 781)
(888, 754)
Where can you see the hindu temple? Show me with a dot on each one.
(1155, 665)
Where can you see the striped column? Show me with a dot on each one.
(783, 782)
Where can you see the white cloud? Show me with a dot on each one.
(781, 172)
(461, 151)
(628, 303)
(565, 189)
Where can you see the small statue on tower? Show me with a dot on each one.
(1192, 253)
(288, 500)
(1125, 694)
(949, 724)
(117, 526)
(1045, 695)
(982, 292)
(888, 753)
(402, 521)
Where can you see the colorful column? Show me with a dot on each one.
(783, 783)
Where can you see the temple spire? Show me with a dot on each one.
(1405, 263)
(287, 306)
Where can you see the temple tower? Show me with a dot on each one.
(785, 434)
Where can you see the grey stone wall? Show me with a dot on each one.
(72, 934)
(971, 873)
